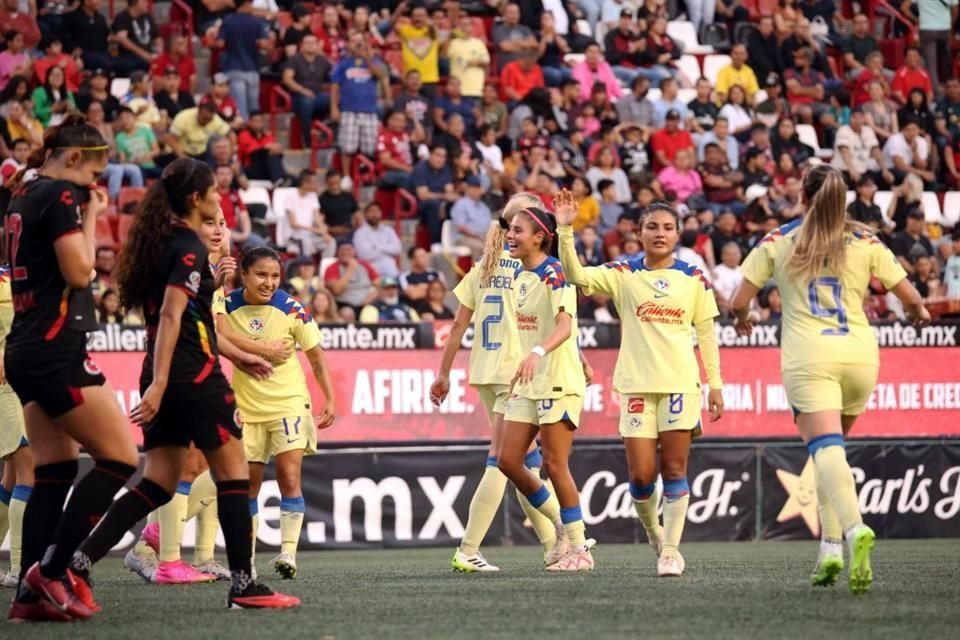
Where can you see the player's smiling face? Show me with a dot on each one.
(521, 240)
(261, 280)
(659, 234)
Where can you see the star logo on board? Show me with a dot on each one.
(802, 496)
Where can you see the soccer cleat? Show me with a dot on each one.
(213, 568)
(559, 549)
(151, 536)
(58, 592)
(577, 559)
(285, 565)
(9, 580)
(829, 565)
(260, 596)
(179, 572)
(144, 566)
(671, 565)
(39, 610)
(861, 545)
(476, 563)
(81, 587)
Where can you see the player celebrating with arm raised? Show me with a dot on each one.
(277, 411)
(657, 376)
(486, 296)
(549, 384)
(822, 265)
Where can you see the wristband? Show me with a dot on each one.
(540, 351)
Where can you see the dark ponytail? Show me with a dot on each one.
(253, 254)
(72, 134)
(153, 222)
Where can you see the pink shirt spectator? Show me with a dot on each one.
(587, 77)
(685, 183)
(9, 62)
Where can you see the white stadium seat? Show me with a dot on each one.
(883, 199)
(258, 195)
(684, 33)
(279, 205)
(712, 65)
(851, 196)
(759, 96)
(951, 208)
(931, 207)
(119, 87)
(447, 242)
(690, 67)
(686, 96)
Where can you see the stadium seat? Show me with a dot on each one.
(123, 229)
(583, 28)
(712, 65)
(767, 7)
(258, 195)
(129, 198)
(573, 59)
(883, 199)
(119, 87)
(324, 265)
(690, 67)
(808, 136)
(741, 32)
(654, 94)
(105, 232)
(683, 32)
(716, 36)
(951, 208)
(759, 96)
(280, 196)
(686, 95)
(931, 207)
(450, 247)
(851, 196)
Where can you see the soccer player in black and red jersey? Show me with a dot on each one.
(185, 397)
(49, 225)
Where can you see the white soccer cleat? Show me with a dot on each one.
(213, 568)
(671, 565)
(144, 566)
(559, 549)
(285, 565)
(577, 559)
(476, 563)
(9, 580)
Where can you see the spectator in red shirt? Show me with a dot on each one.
(26, 23)
(805, 87)
(261, 156)
(872, 71)
(910, 76)
(333, 40)
(176, 54)
(394, 153)
(519, 77)
(221, 100)
(235, 211)
(56, 57)
(667, 141)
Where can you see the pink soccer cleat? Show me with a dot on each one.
(179, 572)
(151, 535)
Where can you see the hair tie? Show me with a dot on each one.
(504, 224)
(536, 218)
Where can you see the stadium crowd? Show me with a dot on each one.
(462, 104)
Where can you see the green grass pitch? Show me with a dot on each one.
(730, 590)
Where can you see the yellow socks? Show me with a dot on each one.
(18, 505)
(835, 478)
(203, 493)
(572, 519)
(172, 517)
(676, 495)
(544, 527)
(645, 504)
(5, 497)
(202, 504)
(546, 503)
(830, 529)
(483, 507)
(291, 521)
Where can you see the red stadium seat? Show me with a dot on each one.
(284, 20)
(123, 231)
(394, 60)
(105, 237)
(129, 198)
(767, 7)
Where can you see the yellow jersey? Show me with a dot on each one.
(461, 52)
(495, 354)
(542, 293)
(745, 77)
(823, 319)
(657, 308)
(284, 394)
(421, 51)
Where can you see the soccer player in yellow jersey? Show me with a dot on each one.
(277, 412)
(822, 265)
(549, 384)
(657, 376)
(486, 298)
(17, 483)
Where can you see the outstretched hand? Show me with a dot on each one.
(565, 207)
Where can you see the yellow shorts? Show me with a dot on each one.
(13, 434)
(494, 398)
(830, 387)
(263, 440)
(540, 412)
(650, 414)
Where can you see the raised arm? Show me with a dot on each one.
(591, 279)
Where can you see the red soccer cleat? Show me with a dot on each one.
(58, 592)
(81, 588)
(39, 611)
(258, 596)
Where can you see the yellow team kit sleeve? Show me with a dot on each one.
(758, 267)
(219, 304)
(705, 310)
(884, 265)
(305, 332)
(563, 295)
(592, 280)
(466, 289)
(6, 311)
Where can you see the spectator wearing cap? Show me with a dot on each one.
(469, 58)
(259, 153)
(242, 35)
(191, 130)
(378, 243)
(14, 60)
(222, 101)
(395, 151)
(177, 55)
(85, 31)
(858, 46)
(137, 38)
(669, 100)
(911, 241)
(339, 207)
(306, 76)
(593, 69)
(171, 99)
(856, 152)
(414, 281)
(805, 90)
(97, 89)
(936, 20)
(721, 136)
(911, 76)
(772, 109)
(353, 100)
(387, 306)
(757, 197)
(738, 72)
(907, 152)
(513, 39)
(471, 217)
(518, 78)
(352, 282)
(763, 50)
(667, 141)
(55, 57)
(432, 181)
(635, 108)
(722, 185)
(52, 100)
(681, 178)
(754, 169)
(24, 23)
(863, 209)
(420, 43)
(140, 100)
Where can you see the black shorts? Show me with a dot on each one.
(205, 414)
(57, 392)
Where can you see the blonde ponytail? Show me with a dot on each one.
(497, 234)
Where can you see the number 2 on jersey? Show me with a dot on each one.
(491, 320)
(836, 290)
(12, 228)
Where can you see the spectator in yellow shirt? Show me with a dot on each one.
(469, 59)
(737, 72)
(420, 44)
(192, 129)
(588, 209)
